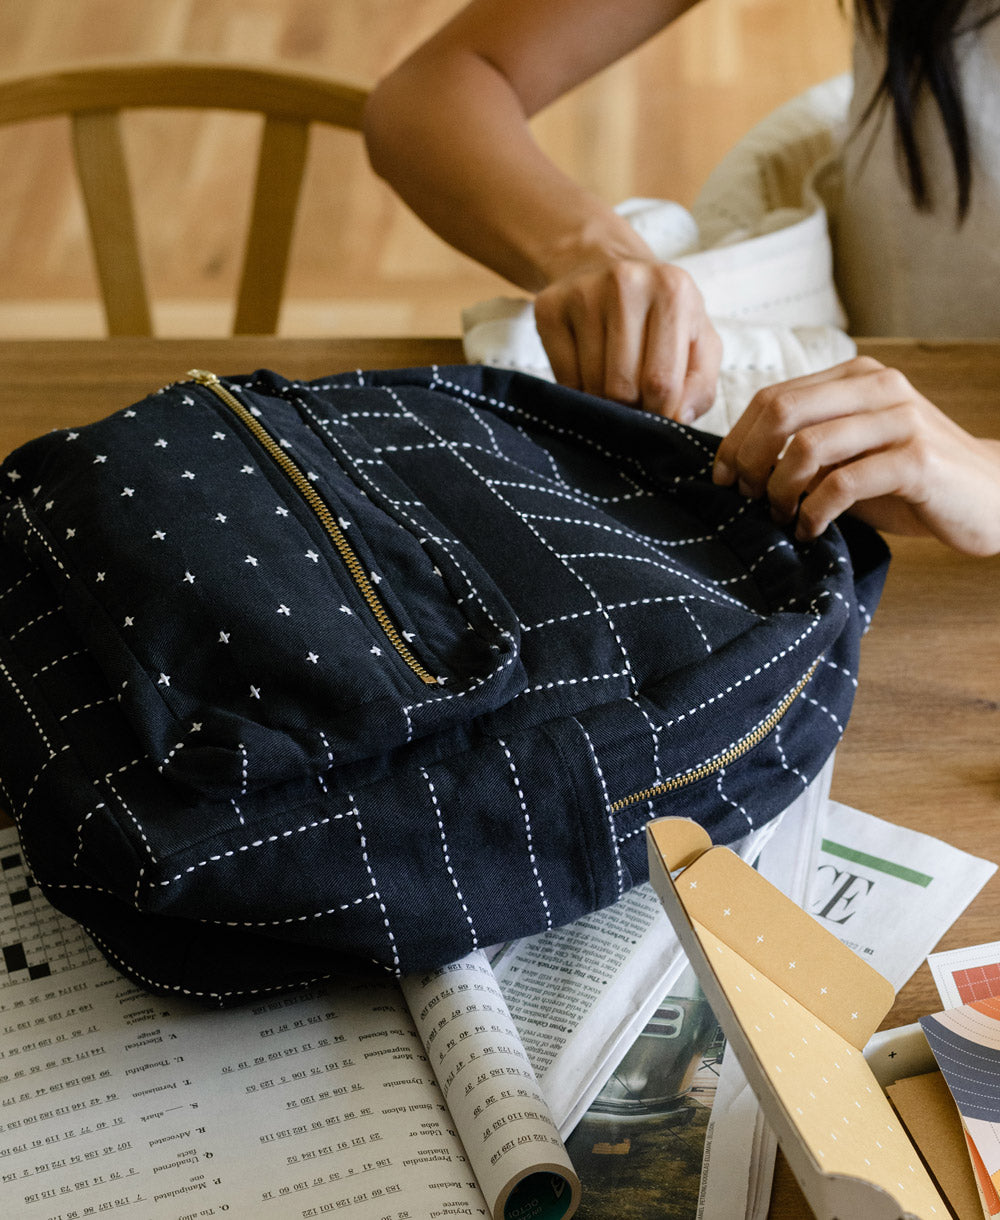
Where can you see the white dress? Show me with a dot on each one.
(901, 271)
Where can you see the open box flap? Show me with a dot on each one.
(796, 1006)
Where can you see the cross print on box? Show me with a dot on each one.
(797, 1006)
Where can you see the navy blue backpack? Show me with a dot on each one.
(384, 667)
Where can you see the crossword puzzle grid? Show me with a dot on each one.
(36, 940)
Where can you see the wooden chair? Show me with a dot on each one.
(94, 95)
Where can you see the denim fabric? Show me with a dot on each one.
(239, 776)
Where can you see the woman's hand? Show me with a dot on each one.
(450, 130)
(859, 437)
(634, 330)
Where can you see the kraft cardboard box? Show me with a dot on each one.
(797, 1007)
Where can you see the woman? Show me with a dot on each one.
(616, 321)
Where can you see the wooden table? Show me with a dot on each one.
(922, 744)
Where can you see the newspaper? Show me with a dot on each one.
(890, 893)
(581, 994)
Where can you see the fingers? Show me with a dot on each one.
(559, 342)
(874, 476)
(635, 332)
(815, 450)
(704, 362)
(751, 450)
(857, 437)
(681, 356)
(860, 438)
(940, 483)
(624, 309)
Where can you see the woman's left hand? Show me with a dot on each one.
(859, 437)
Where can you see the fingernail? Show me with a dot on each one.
(686, 415)
(746, 489)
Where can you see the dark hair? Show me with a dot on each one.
(919, 37)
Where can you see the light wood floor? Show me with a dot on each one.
(653, 125)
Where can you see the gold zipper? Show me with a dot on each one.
(323, 514)
(753, 738)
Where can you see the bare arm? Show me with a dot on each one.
(449, 129)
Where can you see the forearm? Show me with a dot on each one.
(450, 131)
(487, 188)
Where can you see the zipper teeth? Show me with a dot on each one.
(322, 512)
(753, 738)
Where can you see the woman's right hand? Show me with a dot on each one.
(634, 330)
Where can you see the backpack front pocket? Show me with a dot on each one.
(259, 612)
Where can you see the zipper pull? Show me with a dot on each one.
(203, 377)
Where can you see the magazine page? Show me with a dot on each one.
(488, 1084)
(640, 1146)
(580, 994)
(675, 1120)
(311, 1103)
(118, 1099)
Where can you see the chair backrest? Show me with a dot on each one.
(94, 95)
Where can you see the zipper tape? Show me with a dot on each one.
(735, 751)
(321, 511)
